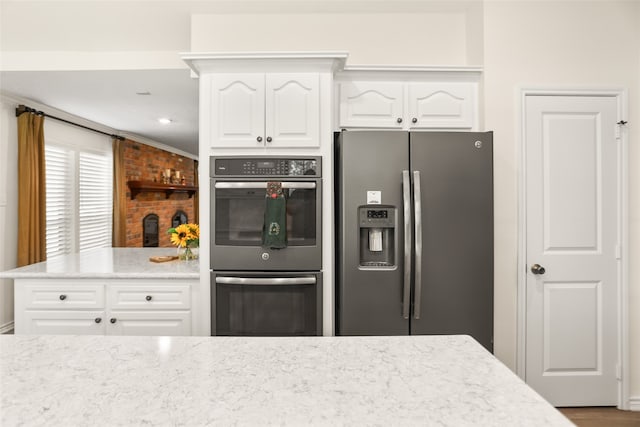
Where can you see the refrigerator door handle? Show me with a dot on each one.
(417, 206)
(406, 197)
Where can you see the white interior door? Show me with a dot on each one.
(572, 231)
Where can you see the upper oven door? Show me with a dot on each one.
(237, 222)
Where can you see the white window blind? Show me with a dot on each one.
(79, 186)
(95, 201)
(59, 201)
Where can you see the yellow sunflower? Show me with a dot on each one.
(181, 235)
(194, 231)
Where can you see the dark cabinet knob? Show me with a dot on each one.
(537, 269)
(63, 297)
(97, 320)
(148, 297)
(269, 139)
(414, 120)
(399, 120)
(259, 139)
(112, 320)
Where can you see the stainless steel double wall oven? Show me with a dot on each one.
(257, 290)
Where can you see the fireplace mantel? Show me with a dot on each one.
(137, 187)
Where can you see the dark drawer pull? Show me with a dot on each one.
(98, 320)
(112, 320)
(63, 297)
(148, 297)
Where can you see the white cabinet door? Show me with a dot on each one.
(54, 322)
(156, 323)
(292, 110)
(372, 104)
(237, 110)
(441, 105)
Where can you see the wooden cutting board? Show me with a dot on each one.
(163, 258)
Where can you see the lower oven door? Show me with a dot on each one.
(277, 304)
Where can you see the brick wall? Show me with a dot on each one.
(145, 163)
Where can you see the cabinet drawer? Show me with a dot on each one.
(154, 323)
(64, 297)
(136, 297)
(60, 322)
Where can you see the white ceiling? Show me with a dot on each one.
(111, 98)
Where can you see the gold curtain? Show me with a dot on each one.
(31, 190)
(119, 232)
(196, 198)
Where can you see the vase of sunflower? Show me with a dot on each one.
(187, 238)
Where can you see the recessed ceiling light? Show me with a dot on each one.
(143, 92)
(164, 120)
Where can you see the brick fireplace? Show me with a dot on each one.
(145, 163)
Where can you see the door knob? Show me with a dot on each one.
(537, 269)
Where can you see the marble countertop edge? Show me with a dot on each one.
(158, 276)
(109, 263)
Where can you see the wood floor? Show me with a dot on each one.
(601, 417)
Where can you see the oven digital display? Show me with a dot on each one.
(265, 165)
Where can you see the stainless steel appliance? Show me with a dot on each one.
(415, 233)
(267, 304)
(238, 186)
(258, 290)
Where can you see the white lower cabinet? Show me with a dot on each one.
(111, 307)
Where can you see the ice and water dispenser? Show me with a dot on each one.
(377, 225)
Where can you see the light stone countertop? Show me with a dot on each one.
(109, 263)
(249, 381)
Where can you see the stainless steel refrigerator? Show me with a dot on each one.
(414, 243)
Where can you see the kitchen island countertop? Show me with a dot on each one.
(194, 381)
(109, 263)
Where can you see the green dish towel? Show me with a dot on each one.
(274, 230)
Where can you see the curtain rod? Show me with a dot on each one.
(24, 109)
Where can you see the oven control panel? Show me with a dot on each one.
(265, 166)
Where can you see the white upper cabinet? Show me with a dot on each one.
(441, 105)
(372, 104)
(293, 110)
(265, 109)
(237, 113)
(407, 100)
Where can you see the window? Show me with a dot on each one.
(79, 176)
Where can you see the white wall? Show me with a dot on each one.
(91, 34)
(555, 45)
(8, 208)
(380, 32)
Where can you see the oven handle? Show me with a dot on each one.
(303, 280)
(294, 185)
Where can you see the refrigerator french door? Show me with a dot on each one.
(415, 233)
